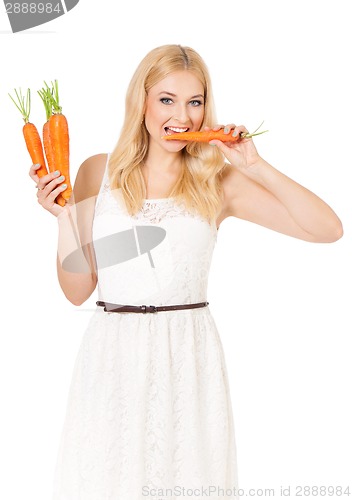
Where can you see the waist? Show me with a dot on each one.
(118, 308)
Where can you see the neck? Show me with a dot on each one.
(163, 162)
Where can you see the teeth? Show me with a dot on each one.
(177, 130)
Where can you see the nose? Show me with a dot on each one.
(181, 113)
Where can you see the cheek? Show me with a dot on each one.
(198, 116)
(157, 116)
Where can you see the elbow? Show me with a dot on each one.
(333, 233)
(80, 297)
(76, 301)
(339, 232)
(77, 295)
(336, 232)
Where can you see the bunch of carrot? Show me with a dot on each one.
(55, 136)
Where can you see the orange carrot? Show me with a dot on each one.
(30, 132)
(209, 135)
(60, 142)
(201, 136)
(48, 147)
(46, 96)
(59, 137)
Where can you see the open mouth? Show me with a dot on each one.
(175, 130)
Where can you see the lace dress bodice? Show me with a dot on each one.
(175, 271)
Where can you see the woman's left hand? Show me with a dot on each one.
(242, 154)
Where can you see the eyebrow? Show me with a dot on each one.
(174, 95)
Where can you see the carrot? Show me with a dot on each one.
(48, 147)
(210, 135)
(46, 96)
(60, 141)
(30, 132)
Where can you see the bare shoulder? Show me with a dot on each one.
(89, 177)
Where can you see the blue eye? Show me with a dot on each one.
(196, 103)
(164, 99)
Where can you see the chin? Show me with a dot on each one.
(174, 148)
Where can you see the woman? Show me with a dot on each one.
(149, 406)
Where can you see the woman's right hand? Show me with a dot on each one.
(49, 187)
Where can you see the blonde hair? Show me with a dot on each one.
(199, 184)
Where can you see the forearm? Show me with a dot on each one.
(75, 263)
(309, 211)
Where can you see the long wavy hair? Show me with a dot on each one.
(199, 183)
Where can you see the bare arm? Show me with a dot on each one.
(255, 191)
(76, 268)
(78, 277)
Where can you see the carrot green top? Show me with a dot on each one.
(46, 95)
(23, 103)
(55, 98)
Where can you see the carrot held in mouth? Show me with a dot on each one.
(210, 135)
(30, 132)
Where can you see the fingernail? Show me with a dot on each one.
(61, 178)
(37, 164)
(63, 186)
(226, 130)
(212, 144)
(56, 173)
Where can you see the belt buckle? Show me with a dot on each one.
(151, 309)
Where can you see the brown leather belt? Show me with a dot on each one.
(108, 307)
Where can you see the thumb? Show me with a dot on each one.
(220, 145)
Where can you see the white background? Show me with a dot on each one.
(282, 306)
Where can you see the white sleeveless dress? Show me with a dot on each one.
(149, 410)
